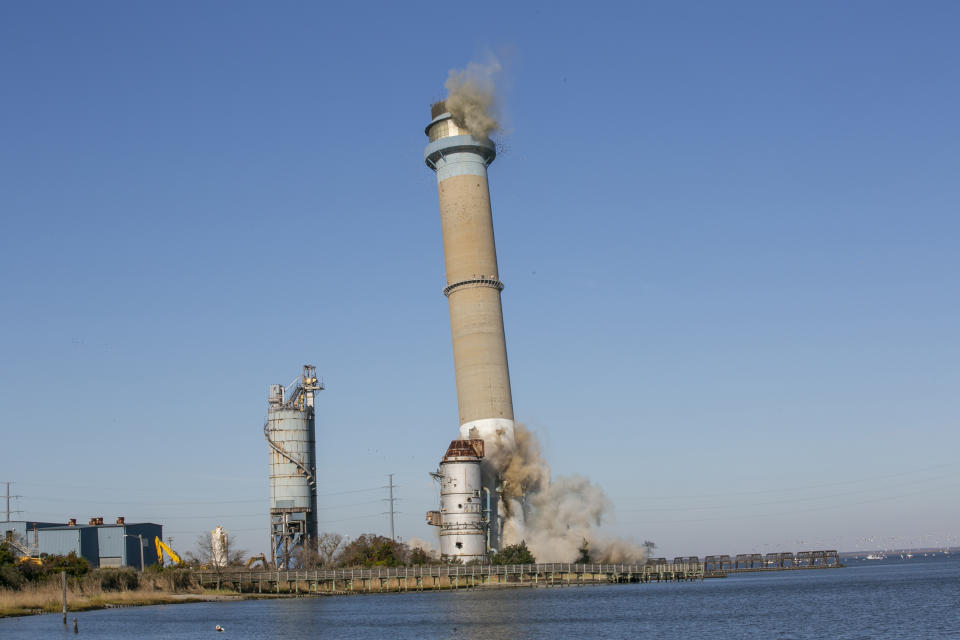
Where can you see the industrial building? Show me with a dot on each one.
(290, 431)
(473, 288)
(114, 544)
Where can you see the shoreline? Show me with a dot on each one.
(98, 602)
(300, 584)
(150, 600)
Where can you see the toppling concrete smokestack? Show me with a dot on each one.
(473, 289)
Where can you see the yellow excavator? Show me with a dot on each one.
(161, 547)
(26, 555)
(262, 559)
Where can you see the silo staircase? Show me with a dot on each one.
(302, 468)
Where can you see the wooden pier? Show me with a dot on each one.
(434, 578)
(454, 577)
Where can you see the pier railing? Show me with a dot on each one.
(357, 580)
(459, 570)
(363, 579)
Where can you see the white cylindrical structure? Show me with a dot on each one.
(218, 547)
(463, 531)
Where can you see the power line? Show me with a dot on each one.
(143, 490)
(167, 503)
(141, 502)
(174, 504)
(369, 515)
(156, 516)
(352, 504)
(790, 500)
(801, 488)
(343, 493)
(792, 511)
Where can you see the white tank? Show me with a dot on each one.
(218, 547)
(462, 515)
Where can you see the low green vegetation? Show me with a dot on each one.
(27, 586)
(33, 586)
(15, 573)
(514, 554)
(331, 551)
(371, 550)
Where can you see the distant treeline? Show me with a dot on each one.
(370, 550)
(328, 551)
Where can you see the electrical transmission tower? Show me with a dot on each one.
(392, 500)
(9, 497)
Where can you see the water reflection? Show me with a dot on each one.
(905, 602)
(487, 612)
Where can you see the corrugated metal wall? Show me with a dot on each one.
(88, 545)
(79, 540)
(291, 429)
(111, 545)
(23, 529)
(149, 531)
(116, 544)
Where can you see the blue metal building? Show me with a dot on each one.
(22, 530)
(102, 545)
(61, 541)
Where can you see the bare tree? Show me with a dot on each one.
(232, 554)
(307, 556)
(327, 545)
(319, 552)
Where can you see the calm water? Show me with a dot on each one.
(919, 598)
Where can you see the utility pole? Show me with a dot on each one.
(63, 583)
(8, 496)
(391, 500)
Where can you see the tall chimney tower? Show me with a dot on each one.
(473, 290)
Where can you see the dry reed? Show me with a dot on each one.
(88, 593)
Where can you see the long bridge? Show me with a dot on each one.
(443, 577)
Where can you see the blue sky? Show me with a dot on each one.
(728, 233)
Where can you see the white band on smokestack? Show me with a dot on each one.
(488, 429)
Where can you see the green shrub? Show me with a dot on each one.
(6, 554)
(370, 550)
(418, 557)
(10, 576)
(71, 563)
(514, 554)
